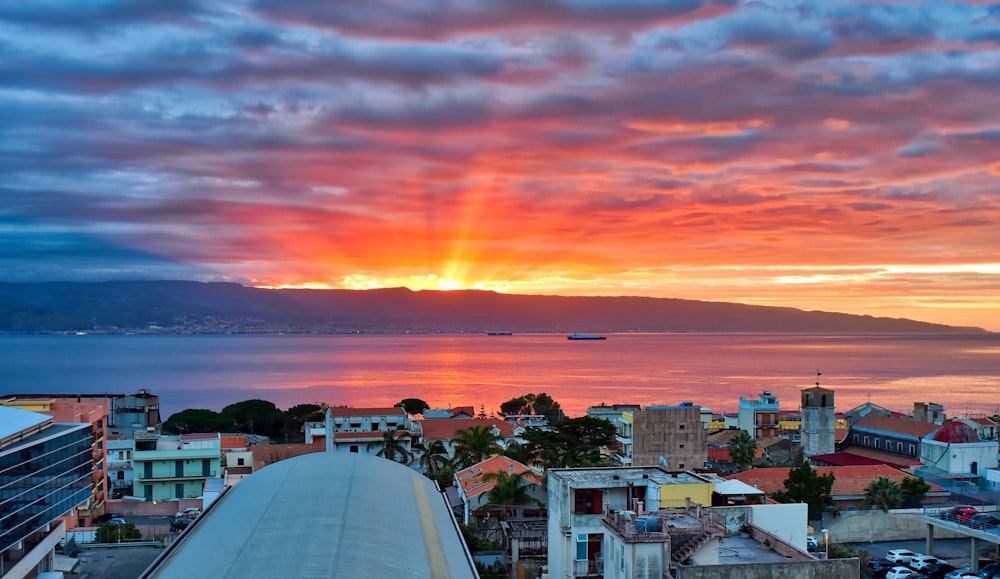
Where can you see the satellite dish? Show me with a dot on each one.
(664, 463)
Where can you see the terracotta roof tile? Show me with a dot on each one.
(848, 480)
(898, 425)
(471, 478)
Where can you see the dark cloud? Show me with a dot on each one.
(429, 19)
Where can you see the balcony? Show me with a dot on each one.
(588, 568)
(145, 436)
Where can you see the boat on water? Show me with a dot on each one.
(585, 337)
(499, 333)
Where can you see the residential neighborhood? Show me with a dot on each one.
(627, 491)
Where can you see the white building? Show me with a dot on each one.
(760, 417)
(587, 505)
(955, 448)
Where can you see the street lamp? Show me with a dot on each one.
(826, 540)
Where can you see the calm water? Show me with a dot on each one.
(961, 372)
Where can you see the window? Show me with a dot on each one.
(681, 465)
(855, 438)
(682, 446)
(912, 451)
(680, 427)
(867, 443)
(353, 448)
(899, 447)
(240, 462)
(851, 507)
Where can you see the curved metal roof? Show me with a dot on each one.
(323, 515)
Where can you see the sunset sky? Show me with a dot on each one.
(840, 156)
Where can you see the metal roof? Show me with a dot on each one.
(14, 420)
(323, 515)
(624, 475)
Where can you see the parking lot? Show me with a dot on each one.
(113, 562)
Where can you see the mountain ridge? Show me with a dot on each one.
(178, 306)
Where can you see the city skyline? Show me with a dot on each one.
(824, 157)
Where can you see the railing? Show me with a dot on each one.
(588, 568)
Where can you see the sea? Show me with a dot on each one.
(962, 372)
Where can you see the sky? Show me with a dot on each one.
(839, 156)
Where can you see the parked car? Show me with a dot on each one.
(106, 517)
(811, 543)
(962, 572)
(900, 573)
(984, 521)
(919, 562)
(901, 556)
(937, 570)
(188, 513)
(959, 514)
(990, 571)
(879, 567)
(116, 521)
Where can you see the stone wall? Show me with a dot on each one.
(871, 526)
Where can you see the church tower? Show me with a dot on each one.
(817, 420)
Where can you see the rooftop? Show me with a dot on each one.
(360, 412)
(328, 515)
(653, 474)
(14, 420)
(897, 425)
(848, 480)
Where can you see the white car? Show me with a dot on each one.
(901, 556)
(899, 573)
(921, 561)
(811, 543)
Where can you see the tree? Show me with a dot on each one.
(474, 444)
(571, 443)
(541, 404)
(508, 492)
(196, 420)
(883, 493)
(805, 485)
(413, 405)
(914, 489)
(296, 417)
(742, 449)
(112, 533)
(433, 458)
(391, 447)
(255, 416)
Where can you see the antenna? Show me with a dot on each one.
(818, 374)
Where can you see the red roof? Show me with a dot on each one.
(230, 441)
(848, 480)
(890, 458)
(471, 478)
(956, 432)
(844, 459)
(898, 425)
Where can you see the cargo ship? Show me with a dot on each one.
(585, 337)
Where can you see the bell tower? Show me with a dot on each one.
(817, 420)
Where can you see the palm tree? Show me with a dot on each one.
(883, 493)
(508, 492)
(391, 447)
(433, 458)
(742, 449)
(474, 444)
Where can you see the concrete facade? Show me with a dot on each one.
(817, 421)
(675, 433)
(579, 499)
(760, 417)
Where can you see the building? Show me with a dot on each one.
(760, 417)
(955, 449)
(674, 434)
(72, 408)
(893, 439)
(46, 469)
(818, 421)
(929, 412)
(176, 467)
(474, 487)
(362, 430)
(848, 492)
(329, 514)
(447, 432)
(579, 500)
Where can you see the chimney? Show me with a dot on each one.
(510, 469)
(329, 431)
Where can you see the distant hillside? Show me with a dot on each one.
(194, 307)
